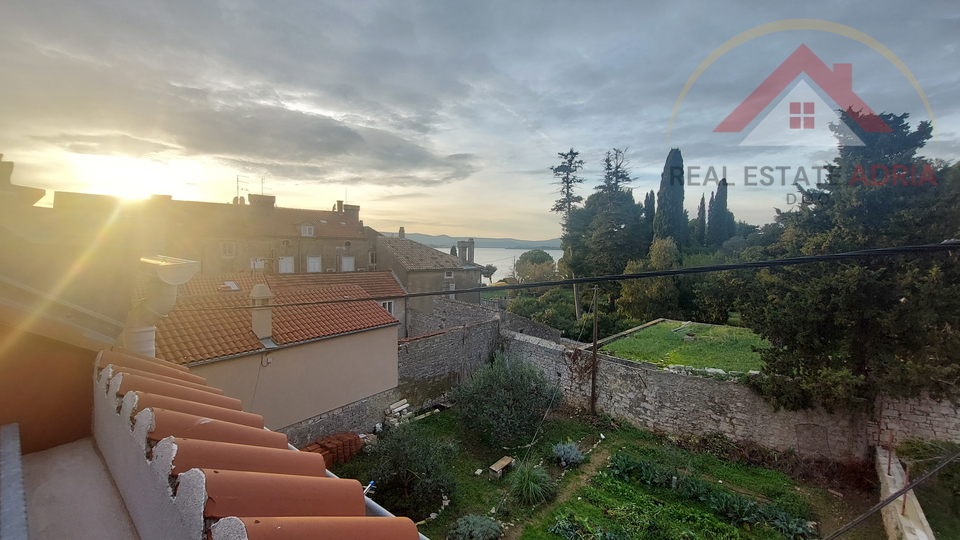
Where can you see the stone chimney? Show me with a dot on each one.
(339, 207)
(470, 247)
(403, 234)
(260, 299)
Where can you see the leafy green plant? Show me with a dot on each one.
(412, 472)
(531, 484)
(568, 454)
(505, 401)
(474, 527)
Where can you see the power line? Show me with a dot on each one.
(947, 245)
(893, 497)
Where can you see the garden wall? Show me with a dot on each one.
(446, 314)
(691, 405)
(432, 364)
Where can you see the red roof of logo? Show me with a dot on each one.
(838, 84)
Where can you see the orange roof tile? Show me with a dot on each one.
(253, 482)
(207, 327)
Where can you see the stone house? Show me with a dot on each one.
(424, 269)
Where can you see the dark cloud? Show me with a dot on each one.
(400, 94)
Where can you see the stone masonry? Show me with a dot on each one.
(690, 405)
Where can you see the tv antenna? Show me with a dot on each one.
(239, 181)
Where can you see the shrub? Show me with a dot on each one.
(412, 471)
(505, 401)
(532, 485)
(568, 454)
(473, 527)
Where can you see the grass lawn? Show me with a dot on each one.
(592, 497)
(939, 496)
(491, 292)
(723, 347)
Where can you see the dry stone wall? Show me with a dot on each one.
(447, 314)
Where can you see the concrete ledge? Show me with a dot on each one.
(13, 502)
(902, 521)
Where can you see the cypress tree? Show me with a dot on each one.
(669, 220)
(700, 229)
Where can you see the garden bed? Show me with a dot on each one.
(696, 345)
(591, 496)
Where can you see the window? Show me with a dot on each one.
(256, 263)
(797, 118)
(452, 287)
(286, 265)
(346, 263)
(387, 305)
(228, 249)
(448, 274)
(313, 264)
(306, 230)
(373, 258)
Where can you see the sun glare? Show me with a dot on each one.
(134, 178)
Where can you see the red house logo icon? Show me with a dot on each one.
(802, 116)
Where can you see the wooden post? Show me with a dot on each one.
(903, 509)
(593, 364)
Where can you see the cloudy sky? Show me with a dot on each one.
(440, 116)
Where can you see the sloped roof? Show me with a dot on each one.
(381, 283)
(326, 224)
(253, 484)
(209, 326)
(416, 256)
(377, 284)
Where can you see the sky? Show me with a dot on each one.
(442, 117)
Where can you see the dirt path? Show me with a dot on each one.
(598, 458)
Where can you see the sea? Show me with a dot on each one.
(502, 258)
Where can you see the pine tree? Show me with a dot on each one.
(567, 179)
(669, 220)
(616, 173)
(649, 207)
(453, 250)
(721, 224)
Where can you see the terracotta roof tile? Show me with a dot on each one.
(145, 400)
(105, 358)
(255, 484)
(190, 426)
(416, 256)
(131, 382)
(192, 453)
(242, 493)
(191, 334)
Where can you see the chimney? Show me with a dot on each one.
(260, 299)
(339, 207)
(470, 247)
(403, 233)
(843, 74)
(462, 251)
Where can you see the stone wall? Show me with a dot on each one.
(522, 325)
(447, 314)
(431, 365)
(690, 405)
(359, 416)
(921, 418)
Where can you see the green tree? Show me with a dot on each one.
(616, 171)
(488, 271)
(650, 298)
(700, 229)
(844, 333)
(535, 266)
(453, 250)
(669, 220)
(721, 224)
(504, 401)
(567, 179)
(412, 471)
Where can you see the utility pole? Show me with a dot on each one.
(593, 363)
